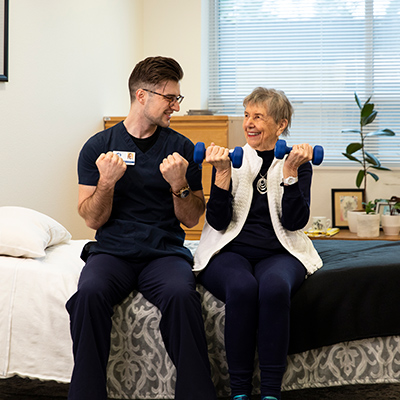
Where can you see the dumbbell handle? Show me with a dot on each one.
(235, 155)
(281, 149)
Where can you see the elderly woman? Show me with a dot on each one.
(253, 254)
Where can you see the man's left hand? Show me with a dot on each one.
(173, 169)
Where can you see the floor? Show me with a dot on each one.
(25, 389)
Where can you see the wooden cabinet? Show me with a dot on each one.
(220, 129)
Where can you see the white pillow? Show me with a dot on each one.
(27, 233)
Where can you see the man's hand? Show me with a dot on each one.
(173, 169)
(95, 202)
(111, 168)
(187, 210)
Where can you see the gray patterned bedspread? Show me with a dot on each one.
(139, 367)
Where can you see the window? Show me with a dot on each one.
(319, 52)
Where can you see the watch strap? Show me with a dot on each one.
(181, 193)
(290, 180)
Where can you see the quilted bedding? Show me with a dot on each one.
(35, 340)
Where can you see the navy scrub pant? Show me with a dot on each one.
(169, 284)
(257, 296)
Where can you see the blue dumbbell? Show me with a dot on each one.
(235, 155)
(281, 149)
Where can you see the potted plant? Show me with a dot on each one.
(366, 160)
(352, 216)
(368, 223)
(391, 221)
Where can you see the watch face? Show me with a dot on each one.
(290, 180)
(185, 193)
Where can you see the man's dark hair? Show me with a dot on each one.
(152, 71)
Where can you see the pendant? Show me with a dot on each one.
(262, 185)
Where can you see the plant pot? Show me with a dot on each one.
(368, 225)
(391, 224)
(352, 219)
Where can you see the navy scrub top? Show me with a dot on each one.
(142, 225)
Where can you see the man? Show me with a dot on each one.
(137, 183)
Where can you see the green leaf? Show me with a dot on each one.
(370, 207)
(380, 168)
(381, 132)
(367, 110)
(360, 177)
(376, 177)
(372, 159)
(351, 131)
(350, 157)
(368, 119)
(358, 101)
(353, 147)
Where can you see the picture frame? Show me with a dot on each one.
(344, 200)
(4, 7)
(382, 207)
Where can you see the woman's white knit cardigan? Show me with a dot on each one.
(296, 243)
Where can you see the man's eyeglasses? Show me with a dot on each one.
(169, 97)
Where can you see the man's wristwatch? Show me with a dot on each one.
(291, 180)
(184, 192)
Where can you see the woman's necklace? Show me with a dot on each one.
(262, 184)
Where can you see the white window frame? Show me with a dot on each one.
(329, 109)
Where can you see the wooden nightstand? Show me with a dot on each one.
(345, 234)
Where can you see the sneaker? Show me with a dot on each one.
(241, 397)
(269, 398)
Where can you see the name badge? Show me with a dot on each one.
(128, 156)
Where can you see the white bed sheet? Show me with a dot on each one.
(34, 330)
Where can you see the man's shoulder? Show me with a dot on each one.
(104, 137)
(172, 134)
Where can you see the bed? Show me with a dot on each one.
(345, 318)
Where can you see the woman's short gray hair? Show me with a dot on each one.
(276, 103)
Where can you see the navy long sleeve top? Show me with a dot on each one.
(257, 238)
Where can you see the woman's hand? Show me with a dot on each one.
(299, 155)
(218, 157)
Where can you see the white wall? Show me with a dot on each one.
(69, 65)
(173, 29)
(69, 62)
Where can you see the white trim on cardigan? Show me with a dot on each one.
(296, 243)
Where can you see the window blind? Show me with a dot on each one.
(319, 52)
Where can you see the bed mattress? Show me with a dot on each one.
(34, 324)
(355, 295)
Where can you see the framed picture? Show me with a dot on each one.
(382, 207)
(4, 40)
(344, 200)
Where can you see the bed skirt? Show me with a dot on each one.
(140, 368)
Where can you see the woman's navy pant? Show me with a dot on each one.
(257, 296)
